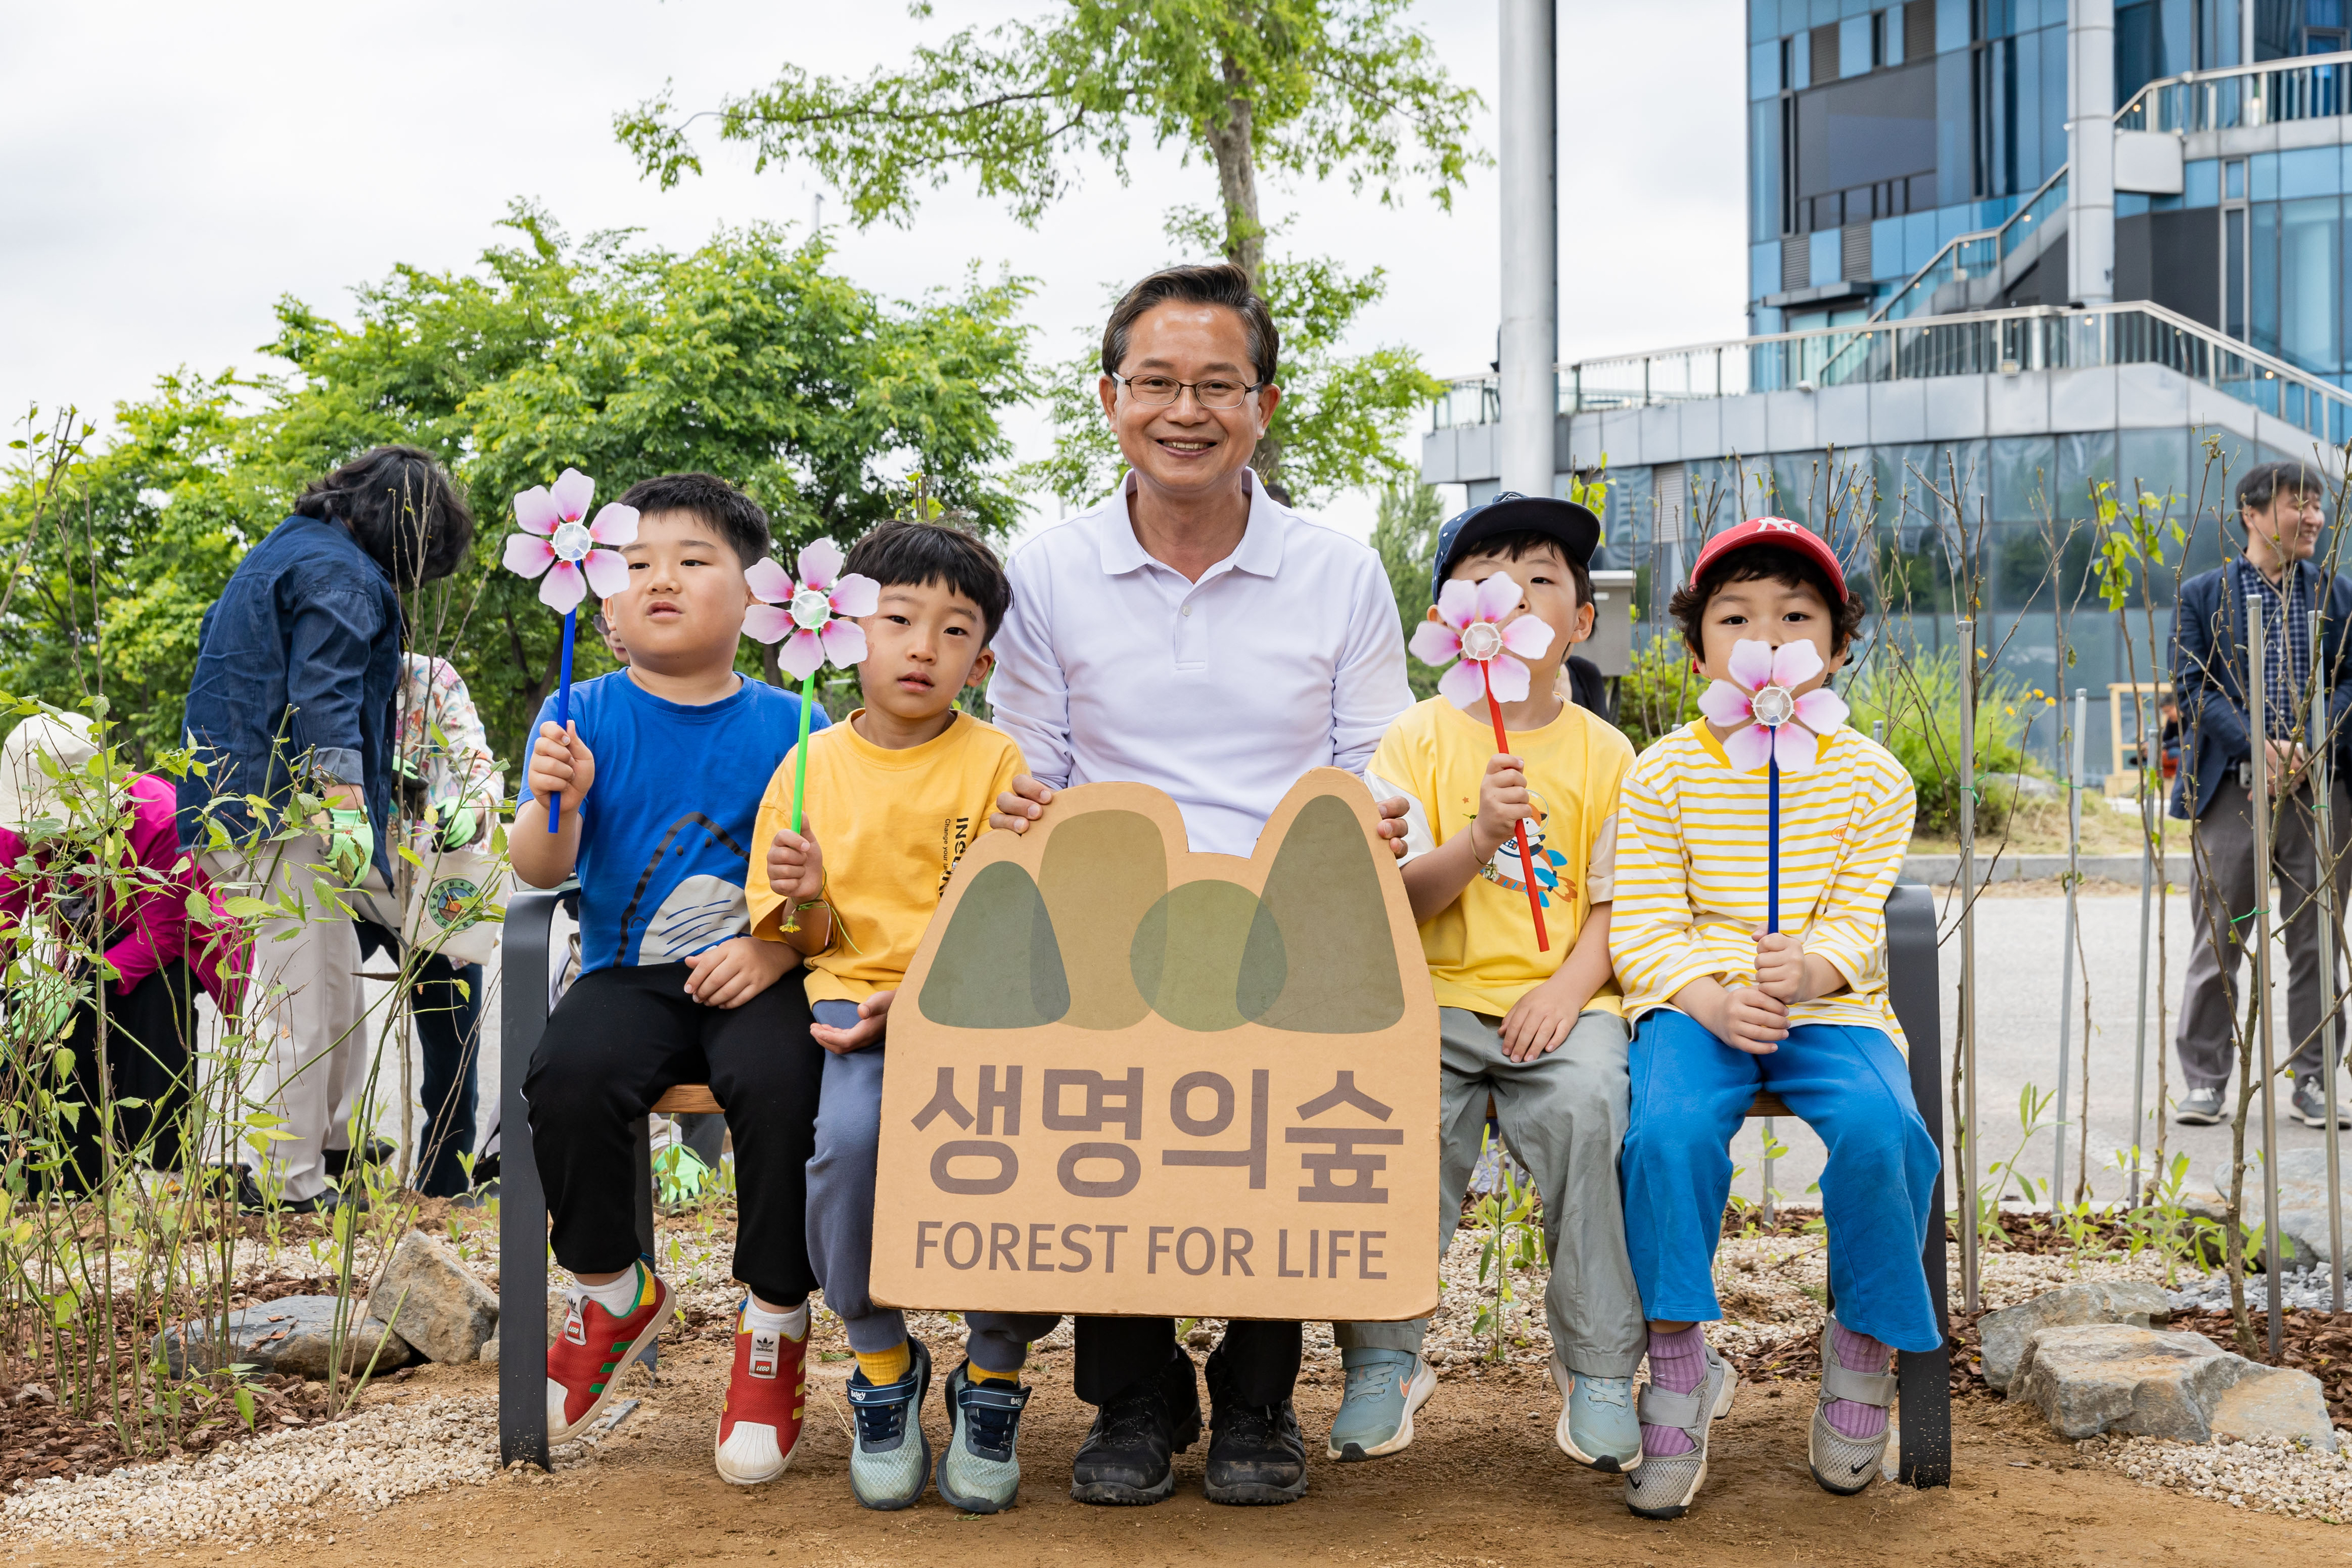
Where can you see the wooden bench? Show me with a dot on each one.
(1926, 1414)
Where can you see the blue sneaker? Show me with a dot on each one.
(1597, 1424)
(980, 1472)
(890, 1458)
(1384, 1388)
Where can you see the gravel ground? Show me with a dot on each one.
(2306, 1288)
(2275, 1476)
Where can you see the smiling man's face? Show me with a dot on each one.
(1181, 447)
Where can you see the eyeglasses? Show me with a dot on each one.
(1159, 391)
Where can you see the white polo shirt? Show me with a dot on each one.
(1286, 655)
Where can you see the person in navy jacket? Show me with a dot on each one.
(2279, 505)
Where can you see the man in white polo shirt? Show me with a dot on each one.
(1192, 634)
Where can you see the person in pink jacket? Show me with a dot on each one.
(157, 956)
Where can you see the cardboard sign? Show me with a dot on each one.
(1129, 1079)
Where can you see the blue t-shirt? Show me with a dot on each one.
(666, 833)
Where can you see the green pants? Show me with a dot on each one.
(1563, 1117)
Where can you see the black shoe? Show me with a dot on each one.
(1126, 1458)
(379, 1151)
(2311, 1103)
(1256, 1454)
(328, 1202)
(237, 1183)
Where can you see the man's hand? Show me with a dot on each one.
(797, 865)
(2287, 761)
(1392, 826)
(1540, 1021)
(1780, 967)
(561, 764)
(873, 1017)
(734, 972)
(1018, 807)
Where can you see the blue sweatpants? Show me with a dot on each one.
(1691, 1090)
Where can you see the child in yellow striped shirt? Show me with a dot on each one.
(1724, 1007)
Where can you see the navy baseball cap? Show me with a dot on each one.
(1575, 526)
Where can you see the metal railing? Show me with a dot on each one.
(2311, 87)
(1985, 343)
(1974, 255)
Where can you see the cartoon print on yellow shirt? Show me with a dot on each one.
(1503, 867)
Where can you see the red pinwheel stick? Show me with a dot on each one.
(1518, 828)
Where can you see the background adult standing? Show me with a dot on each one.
(296, 666)
(2279, 505)
(1190, 633)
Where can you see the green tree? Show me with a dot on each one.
(1404, 535)
(1303, 87)
(748, 357)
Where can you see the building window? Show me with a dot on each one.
(1918, 29)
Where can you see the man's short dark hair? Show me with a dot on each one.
(710, 499)
(1520, 543)
(1223, 284)
(903, 553)
(2260, 485)
(402, 508)
(1764, 563)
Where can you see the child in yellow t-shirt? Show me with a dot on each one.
(1538, 1031)
(895, 796)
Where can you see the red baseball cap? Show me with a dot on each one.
(1778, 532)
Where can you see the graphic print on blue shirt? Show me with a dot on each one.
(666, 830)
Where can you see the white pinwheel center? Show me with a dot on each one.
(571, 541)
(1773, 706)
(1481, 641)
(810, 609)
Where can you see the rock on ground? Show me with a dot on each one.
(291, 1334)
(2091, 1379)
(2302, 1206)
(2004, 1334)
(444, 1311)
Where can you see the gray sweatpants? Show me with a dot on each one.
(2222, 899)
(841, 1222)
(1563, 1117)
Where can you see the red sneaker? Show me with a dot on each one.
(584, 1363)
(761, 1424)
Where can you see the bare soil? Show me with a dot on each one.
(1482, 1485)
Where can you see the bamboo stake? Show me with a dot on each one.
(2148, 786)
(2323, 863)
(2258, 706)
(2066, 960)
(1966, 628)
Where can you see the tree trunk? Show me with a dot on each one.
(1233, 139)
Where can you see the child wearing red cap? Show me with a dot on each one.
(1724, 1006)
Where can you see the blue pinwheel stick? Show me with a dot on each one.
(563, 718)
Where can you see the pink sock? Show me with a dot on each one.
(1857, 1352)
(1678, 1366)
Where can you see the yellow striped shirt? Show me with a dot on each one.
(1691, 875)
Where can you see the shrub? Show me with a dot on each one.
(1918, 696)
(1659, 692)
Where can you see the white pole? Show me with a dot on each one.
(2067, 959)
(2091, 151)
(1966, 628)
(2258, 706)
(2150, 780)
(1527, 130)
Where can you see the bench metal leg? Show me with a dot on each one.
(1924, 1377)
(522, 1202)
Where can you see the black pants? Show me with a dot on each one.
(447, 1007)
(621, 1037)
(1256, 1363)
(147, 1035)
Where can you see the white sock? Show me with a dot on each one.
(792, 1324)
(617, 1296)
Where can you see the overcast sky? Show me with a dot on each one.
(172, 169)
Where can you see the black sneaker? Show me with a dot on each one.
(379, 1151)
(1126, 1458)
(2311, 1103)
(2199, 1108)
(1256, 1454)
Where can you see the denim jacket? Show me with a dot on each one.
(298, 658)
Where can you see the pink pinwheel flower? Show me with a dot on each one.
(555, 541)
(1470, 626)
(813, 616)
(1775, 724)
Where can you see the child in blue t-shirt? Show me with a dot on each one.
(656, 784)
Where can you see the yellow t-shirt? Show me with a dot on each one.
(1482, 947)
(891, 826)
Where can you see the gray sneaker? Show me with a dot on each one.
(1666, 1484)
(890, 1458)
(2311, 1103)
(1597, 1426)
(1841, 1464)
(980, 1472)
(1384, 1388)
(2199, 1108)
